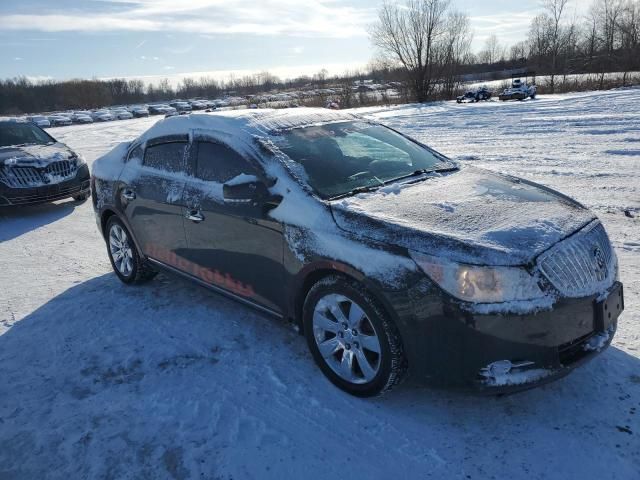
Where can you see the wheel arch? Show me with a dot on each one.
(315, 272)
(106, 214)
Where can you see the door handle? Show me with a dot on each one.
(195, 216)
(128, 194)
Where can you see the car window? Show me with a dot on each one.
(219, 163)
(166, 156)
(136, 153)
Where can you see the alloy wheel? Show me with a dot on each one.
(120, 250)
(346, 339)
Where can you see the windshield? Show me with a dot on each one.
(12, 134)
(341, 157)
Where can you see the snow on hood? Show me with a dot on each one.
(35, 155)
(471, 216)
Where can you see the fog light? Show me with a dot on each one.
(499, 369)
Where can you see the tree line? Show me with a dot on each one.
(424, 45)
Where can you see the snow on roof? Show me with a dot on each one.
(246, 123)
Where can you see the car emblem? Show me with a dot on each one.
(598, 255)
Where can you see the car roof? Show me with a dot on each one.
(240, 128)
(263, 122)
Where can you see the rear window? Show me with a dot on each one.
(166, 156)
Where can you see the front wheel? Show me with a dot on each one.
(124, 257)
(81, 197)
(351, 338)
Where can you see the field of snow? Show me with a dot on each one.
(168, 380)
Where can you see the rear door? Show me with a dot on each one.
(154, 180)
(236, 247)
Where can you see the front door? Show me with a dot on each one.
(153, 183)
(235, 247)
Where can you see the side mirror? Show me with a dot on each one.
(249, 191)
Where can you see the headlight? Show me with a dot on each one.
(78, 158)
(479, 284)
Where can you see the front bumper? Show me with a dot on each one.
(448, 345)
(77, 185)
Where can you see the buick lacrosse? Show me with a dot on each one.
(391, 259)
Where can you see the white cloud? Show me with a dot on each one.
(321, 18)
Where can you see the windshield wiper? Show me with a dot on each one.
(421, 171)
(356, 191)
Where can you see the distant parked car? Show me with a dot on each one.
(171, 112)
(122, 114)
(158, 109)
(59, 121)
(81, 117)
(198, 104)
(39, 120)
(102, 116)
(139, 111)
(181, 106)
(35, 168)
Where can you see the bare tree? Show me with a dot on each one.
(456, 51)
(493, 51)
(411, 35)
(557, 35)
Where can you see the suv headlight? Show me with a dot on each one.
(78, 158)
(478, 284)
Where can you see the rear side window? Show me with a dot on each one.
(219, 163)
(166, 156)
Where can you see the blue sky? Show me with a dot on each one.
(171, 38)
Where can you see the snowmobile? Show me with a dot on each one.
(519, 90)
(482, 93)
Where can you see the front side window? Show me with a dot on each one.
(166, 156)
(218, 163)
(341, 157)
(12, 134)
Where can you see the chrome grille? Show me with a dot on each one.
(581, 265)
(63, 168)
(29, 177)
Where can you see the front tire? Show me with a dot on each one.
(352, 339)
(81, 197)
(125, 260)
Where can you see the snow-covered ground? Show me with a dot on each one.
(168, 380)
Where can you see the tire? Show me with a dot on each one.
(132, 269)
(363, 372)
(81, 198)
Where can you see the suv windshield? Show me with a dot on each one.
(340, 158)
(12, 134)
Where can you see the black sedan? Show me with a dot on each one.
(389, 258)
(35, 168)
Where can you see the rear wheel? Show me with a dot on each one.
(351, 337)
(124, 257)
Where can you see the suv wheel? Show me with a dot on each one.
(126, 262)
(351, 338)
(81, 197)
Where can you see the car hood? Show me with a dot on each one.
(471, 216)
(34, 155)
